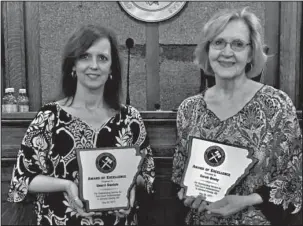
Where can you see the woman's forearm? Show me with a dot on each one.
(42, 183)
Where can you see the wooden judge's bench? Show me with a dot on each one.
(161, 129)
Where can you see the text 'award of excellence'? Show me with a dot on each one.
(107, 175)
(213, 168)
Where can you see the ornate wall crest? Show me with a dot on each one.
(152, 11)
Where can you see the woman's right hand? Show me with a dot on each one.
(75, 203)
(198, 202)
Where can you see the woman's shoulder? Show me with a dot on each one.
(46, 114)
(48, 111)
(129, 110)
(50, 107)
(64, 101)
(191, 102)
(270, 92)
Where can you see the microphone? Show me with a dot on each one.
(129, 44)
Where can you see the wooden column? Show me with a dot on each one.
(14, 45)
(152, 65)
(271, 39)
(301, 66)
(33, 54)
(290, 40)
(3, 79)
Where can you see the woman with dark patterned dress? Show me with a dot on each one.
(90, 116)
(239, 111)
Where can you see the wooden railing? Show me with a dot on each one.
(161, 129)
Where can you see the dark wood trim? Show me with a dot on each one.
(18, 116)
(271, 39)
(14, 44)
(144, 114)
(167, 116)
(158, 114)
(33, 54)
(290, 32)
(152, 65)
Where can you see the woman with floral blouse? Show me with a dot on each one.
(90, 116)
(239, 111)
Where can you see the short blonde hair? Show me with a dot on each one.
(217, 24)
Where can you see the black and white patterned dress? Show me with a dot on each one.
(48, 148)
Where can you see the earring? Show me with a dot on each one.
(248, 67)
(73, 74)
(110, 77)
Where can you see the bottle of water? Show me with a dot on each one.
(9, 101)
(22, 100)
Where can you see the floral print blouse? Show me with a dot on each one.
(268, 126)
(48, 148)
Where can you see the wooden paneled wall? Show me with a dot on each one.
(290, 69)
(14, 46)
(21, 46)
(152, 65)
(282, 33)
(32, 42)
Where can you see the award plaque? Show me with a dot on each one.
(106, 176)
(213, 168)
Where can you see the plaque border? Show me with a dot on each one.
(107, 149)
(246, 172)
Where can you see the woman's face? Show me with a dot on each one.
(229, 62)
(94, 66)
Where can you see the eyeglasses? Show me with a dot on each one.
(237, 45)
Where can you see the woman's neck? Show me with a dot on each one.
(230, 87)
(90, 99)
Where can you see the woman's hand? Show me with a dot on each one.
(231, 204)
(122, 212)
(140, 181)
(74, 200)
(198, 202)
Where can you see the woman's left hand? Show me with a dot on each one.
(231, 204)
(123, 213)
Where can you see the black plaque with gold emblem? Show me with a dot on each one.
(213, 169)
(106, 176)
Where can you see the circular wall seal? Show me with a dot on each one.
(214, 156)
(153, 11)
(106, 162)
